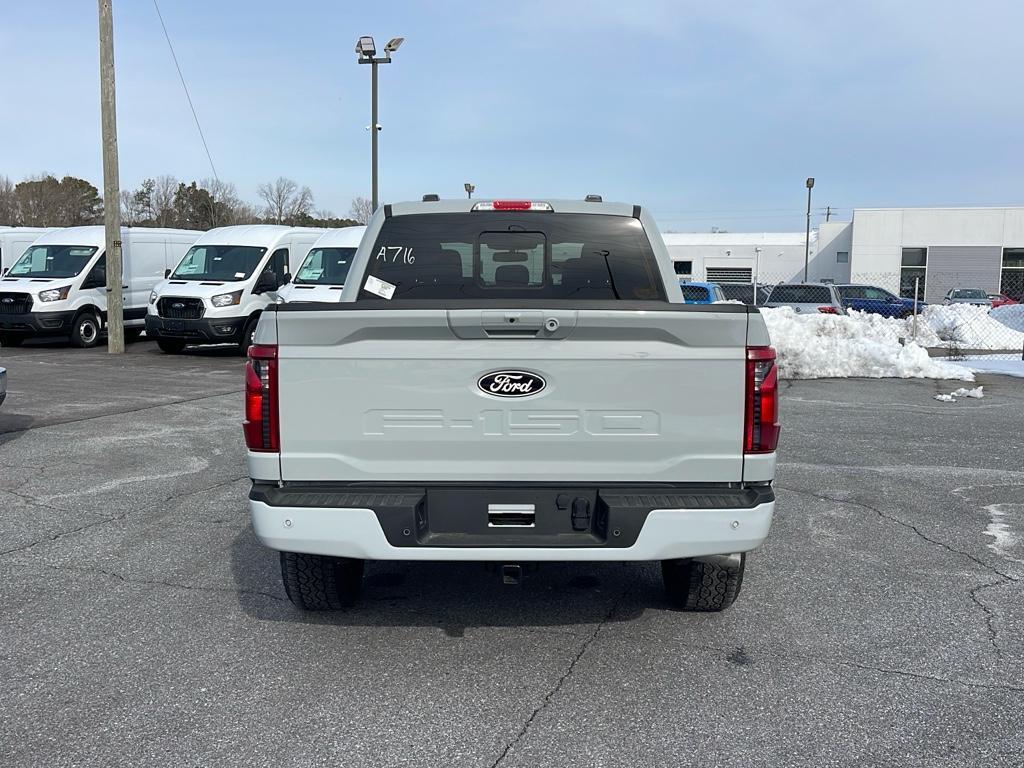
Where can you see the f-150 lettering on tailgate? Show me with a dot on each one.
(403, 424)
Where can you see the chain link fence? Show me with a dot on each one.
(948, 313)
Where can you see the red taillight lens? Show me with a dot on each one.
(828, 310)
(261, 428)
(761, 420)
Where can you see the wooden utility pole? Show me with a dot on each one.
(111, 184)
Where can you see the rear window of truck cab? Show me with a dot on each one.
(515, 255)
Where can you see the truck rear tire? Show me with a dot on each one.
(706, 584)
(170, 346)
(319, 582)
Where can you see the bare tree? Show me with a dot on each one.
(133, 208)
(162, 200)
(285, 200)
(224, 200)
(8, 202)
(361, 210)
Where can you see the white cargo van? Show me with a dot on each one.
(217, 292)
(322, 275)
(14, 241)
(58, 286)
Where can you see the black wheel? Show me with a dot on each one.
(85, 330)
(170, 346)
(248, 336)
(10, 340)
(321, 583)
(706, 584)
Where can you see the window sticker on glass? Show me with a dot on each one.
(379, 287)
(239, 275)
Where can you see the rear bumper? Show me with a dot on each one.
(203, 330)
(635, 531)
(38, 323)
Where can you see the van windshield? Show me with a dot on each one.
(506, 255)
(52, 261)
(326, 266)
(218, 262)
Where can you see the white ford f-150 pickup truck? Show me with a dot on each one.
(511, 381)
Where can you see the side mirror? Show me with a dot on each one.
(287, 278)
(4, 272)
(167, 273)
(267, 281)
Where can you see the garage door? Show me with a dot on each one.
(962, 267)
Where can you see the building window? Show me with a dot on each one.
(1012, 278)
(842, 257)
(684, 267)
(912, 267)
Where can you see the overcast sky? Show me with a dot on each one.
(709, 114)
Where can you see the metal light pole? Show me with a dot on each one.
(470, 189)
(111, 186)
(757, 270)
(807, 240)
(367, 51)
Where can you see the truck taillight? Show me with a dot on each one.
(261, 426)
(828, 310)
(761, 419)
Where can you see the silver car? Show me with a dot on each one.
(974, 296)
(807, 298)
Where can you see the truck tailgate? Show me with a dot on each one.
(627, 396)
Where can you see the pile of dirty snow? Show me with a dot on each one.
(971, 327)
(859, 344)
(977, 393)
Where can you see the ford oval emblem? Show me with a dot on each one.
(8, 300)
(511, 383)
(177, 305)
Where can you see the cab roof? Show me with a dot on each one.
(95, 235)
(342, 237)
(458, 205)
(263, 235)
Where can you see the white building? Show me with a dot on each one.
(739, 257)
(939, 248)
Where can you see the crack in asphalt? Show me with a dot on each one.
(546, 701)
(1004, 578)
(936, 679)
(115, 518)
(184, 401)
(145, 582)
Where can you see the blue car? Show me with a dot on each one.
(878, 301)
(701, 293)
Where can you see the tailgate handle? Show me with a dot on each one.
(512, 322)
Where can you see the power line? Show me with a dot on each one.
(187, 95)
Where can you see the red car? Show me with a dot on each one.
(1000, 299)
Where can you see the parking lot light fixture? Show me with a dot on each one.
(367, 53)
(807, 240)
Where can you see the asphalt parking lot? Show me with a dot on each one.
(143, 624)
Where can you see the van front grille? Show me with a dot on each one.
(15, 303)
(180, 308)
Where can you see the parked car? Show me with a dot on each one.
(217, 292)
(3, 385)
(1000, 300)
(877, 301)
(59, 285)
(745, 292)
(465, 402)
(974, 296)
(807, 298)
(701, 293)
(322, 275)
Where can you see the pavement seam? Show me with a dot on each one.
(145, 582)
(115, 518)
(917, 676)
(546, 701)
(118, 413)
(1004, 578)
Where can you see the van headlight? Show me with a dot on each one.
(55, 294)
(226, 299)
(152, 297)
